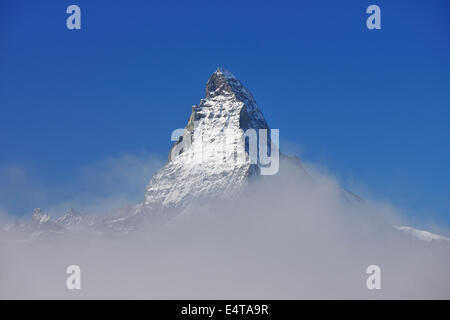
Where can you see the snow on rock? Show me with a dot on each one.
(422, 234)
(39, 217)
(75, 218)
(42, 222)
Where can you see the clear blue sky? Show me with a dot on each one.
(373, 107)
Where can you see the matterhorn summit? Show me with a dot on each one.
(210, 157)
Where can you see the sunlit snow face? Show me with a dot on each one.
(231, 147)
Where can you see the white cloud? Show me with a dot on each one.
(96, 189)
(285, 237)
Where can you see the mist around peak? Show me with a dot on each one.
(284, 237)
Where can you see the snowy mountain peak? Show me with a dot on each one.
(228, 105)
(227, 74)
(39, 217)
(223, 82)
(43, 223)
(223, 86)
(71, 217)
(227, 93)
(202, 161)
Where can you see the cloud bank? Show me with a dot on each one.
(96, 188)
(285, 236)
